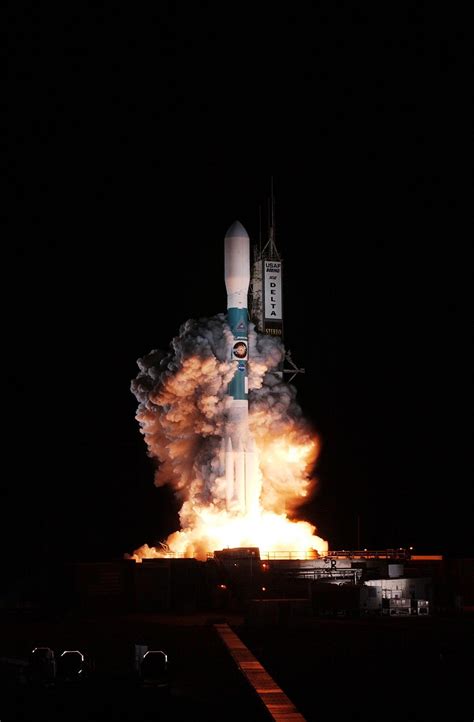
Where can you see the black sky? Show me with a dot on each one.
(134, 141)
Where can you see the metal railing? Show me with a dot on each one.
(352, 575)
(368, 554)
(310, 554)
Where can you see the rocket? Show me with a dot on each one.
(239, 460)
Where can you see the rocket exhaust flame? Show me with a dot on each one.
(226, 430)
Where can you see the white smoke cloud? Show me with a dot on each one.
(182, 415)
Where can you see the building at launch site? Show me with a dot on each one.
(264, 589)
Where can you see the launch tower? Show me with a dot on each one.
(266, 290)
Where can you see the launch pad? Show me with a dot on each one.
(242, 581)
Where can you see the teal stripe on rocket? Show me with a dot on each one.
(237, 385)
(238, 322)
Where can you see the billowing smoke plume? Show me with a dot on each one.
(182, 415)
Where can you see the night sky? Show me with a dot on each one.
(134, 141)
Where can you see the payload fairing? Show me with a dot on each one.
(239, 461)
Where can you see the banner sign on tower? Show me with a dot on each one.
(273, 298)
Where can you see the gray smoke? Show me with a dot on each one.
(182, 403)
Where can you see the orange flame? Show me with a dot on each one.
(285, 465)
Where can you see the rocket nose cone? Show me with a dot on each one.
(236, 230)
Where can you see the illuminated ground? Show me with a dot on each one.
(395, 670)
(205, 682)
(356, 669)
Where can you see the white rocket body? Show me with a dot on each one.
(238, 454)
(237, 266)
